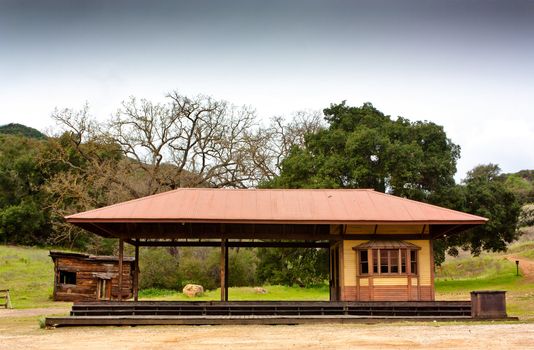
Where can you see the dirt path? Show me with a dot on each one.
(487, 336)
(525, 266)
(33, 312)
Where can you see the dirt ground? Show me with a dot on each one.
(12, 313)
(26, 335)
(525, 266)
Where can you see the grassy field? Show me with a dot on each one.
(490, 271)
(28, 273)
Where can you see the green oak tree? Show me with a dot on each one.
(364, 148)
(23, 217)
(483, 192)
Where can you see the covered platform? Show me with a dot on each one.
(380, 251)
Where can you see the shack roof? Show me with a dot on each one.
(275, 206)
(54, 254)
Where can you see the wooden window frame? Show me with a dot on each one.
(67, 272)
(377, 253)
(368, 261)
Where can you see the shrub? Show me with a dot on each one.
(158, 269)
(164, 268)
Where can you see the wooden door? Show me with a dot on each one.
(104, 289)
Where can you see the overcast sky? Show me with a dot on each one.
(467, 65)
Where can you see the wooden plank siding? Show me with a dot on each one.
(380, 287)
(88, 273)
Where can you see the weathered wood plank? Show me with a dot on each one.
(88, 273)
(238, 320)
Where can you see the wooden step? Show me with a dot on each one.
(233, 320)
(272, 308)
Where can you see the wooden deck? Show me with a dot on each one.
(233, 320)
(254, 312)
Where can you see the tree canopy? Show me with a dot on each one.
(23, 217)
(483, 192)
(522, 184)
(364, 148)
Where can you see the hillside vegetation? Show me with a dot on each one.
(457, 277)
(522, 184)
(22, 130)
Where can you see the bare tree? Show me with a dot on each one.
(187, 142)
(147, 147)
(269, 146)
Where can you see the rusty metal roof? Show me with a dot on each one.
(315, 206)
(386, 244)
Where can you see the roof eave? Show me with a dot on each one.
(74, 220)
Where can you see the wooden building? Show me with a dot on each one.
(380, 245)
(84, 277)
(384, 269)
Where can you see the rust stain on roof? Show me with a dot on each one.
(326, 206)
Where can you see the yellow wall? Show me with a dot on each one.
(424, 264)
(350, 267)
(386, 229)
(360, 229)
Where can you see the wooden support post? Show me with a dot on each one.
(226, 273)
(136, 272)
(224, 270)
(121, 256)
(330, 274)
(432, 272)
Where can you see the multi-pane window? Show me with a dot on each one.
(388, 261)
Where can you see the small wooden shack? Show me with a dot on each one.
(84, 277)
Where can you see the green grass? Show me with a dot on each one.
(485, 272)
(28, 273)
(458, 277)
(243, 293)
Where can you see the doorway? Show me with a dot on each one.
(103, 291)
